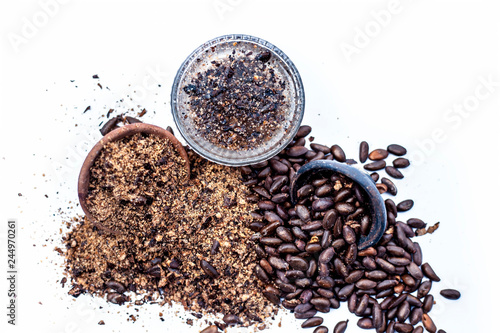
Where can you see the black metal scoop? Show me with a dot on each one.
(377, 206)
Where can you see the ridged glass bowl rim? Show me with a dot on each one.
(287, 64)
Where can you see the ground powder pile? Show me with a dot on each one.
(187, 241)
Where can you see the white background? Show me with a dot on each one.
(403, 83)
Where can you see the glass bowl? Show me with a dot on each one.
(218, 49)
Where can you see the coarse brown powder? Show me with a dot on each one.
(130, 180)
(203, 219)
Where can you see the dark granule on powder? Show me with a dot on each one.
(203, 220)
(238, 103)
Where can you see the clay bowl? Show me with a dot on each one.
(115, 135)
(377, 205)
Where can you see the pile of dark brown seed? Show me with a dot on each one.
(238, 103)
(308, 255)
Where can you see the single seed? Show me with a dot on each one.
(303, 213)
(393, 172)
(322, 204)
(375, 275)
(209, 269)
(344, 208)
(305, 191)
(363, 151)
(416, 316)
(365, 323)
(450, 294)
(391, 188)
(428, 303)
(321, 329)
(299, 142)
(312, 322)
(324, 190)
(416, 223)
(327, 255)
(231, 319)
(424, 289)
(403, 328)
(329, 219)
(296, 151)
(303, 131)
(405, 205)
(396, 149)
(401, 163)
(378, 154)
(366, 284)
(349, 234)
(429, 272)
(338, 153)
(306, 315)
(415, 271)
(362, 305)
(304, 307)
(428, 323)
(403, 311)
(322, 148)
(374, 166)
(354, 276)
